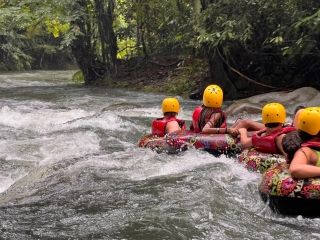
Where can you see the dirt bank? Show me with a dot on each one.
(170, 75)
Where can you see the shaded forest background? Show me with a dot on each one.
(247, 46)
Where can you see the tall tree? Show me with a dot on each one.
(108, 40)
(249, 39)
(83, 47)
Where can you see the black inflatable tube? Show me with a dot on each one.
(292, 206)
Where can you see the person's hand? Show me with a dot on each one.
(233, 132)
(242, 131)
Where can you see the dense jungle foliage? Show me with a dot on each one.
(269, 44)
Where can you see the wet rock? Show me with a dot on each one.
(305, 96)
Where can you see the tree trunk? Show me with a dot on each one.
(82, 49)
(107, 36)
(219, 76)
(196, 6)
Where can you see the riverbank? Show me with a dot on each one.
(186, 77)
(169, 75)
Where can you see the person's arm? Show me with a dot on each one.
(300, 167)
(245, 141)
(214, 130)
(279, 144)
(248, 124)
(172, 126)
(209, 127)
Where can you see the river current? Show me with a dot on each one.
(70, 168)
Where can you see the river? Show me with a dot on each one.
(70, 168)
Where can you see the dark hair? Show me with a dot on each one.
(170, 114)
(208, 112)
(272, 125)
(292, 141)
(298, 108)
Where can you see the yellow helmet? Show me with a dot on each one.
(170, 105)
(273, 113)
(213, 96)
(309, 120)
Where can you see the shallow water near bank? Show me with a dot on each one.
(70, 168)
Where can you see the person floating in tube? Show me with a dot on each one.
(169, 123)
(209, 117)
(253, 126)
(269, 139)
(303, 146)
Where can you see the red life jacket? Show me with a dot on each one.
(313, 143)
(158, 127)
(199, 111)
(267, 144)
